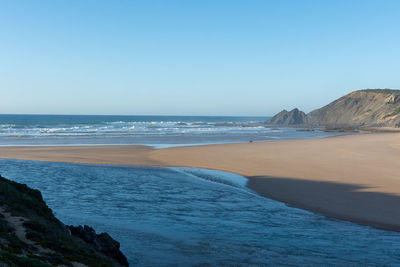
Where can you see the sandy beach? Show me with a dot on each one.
(353, 177)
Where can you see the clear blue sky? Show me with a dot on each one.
(193, 57)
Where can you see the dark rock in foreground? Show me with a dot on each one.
(30, 235)
(100, 242)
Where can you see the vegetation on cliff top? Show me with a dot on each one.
(30, 235)
(381, 91)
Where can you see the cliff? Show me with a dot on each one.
(363, 108)
(30, 235)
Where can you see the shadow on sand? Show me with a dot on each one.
(336, 200)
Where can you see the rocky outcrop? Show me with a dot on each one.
(30, 235)
(100, 242)
(287, 118)
(363, 108)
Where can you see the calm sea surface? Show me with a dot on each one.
(197, 217)
(157, 131)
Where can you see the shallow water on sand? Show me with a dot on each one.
(189, 216)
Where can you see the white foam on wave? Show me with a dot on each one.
(124, 128)
(228, 178)
(7, 126)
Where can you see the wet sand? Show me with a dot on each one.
(354, 177)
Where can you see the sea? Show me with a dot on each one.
(185, 216)
(155, 131)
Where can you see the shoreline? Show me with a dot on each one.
(349, 177)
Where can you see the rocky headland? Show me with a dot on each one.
(358, 109)
(30, 235)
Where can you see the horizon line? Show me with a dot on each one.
(147, 115)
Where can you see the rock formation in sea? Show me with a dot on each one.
(362, 108)
(30, 235)
(286, 118)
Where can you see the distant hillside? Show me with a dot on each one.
(363, 108)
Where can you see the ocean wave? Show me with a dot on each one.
(125, 126)
(165, 132)
(129, 129)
